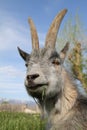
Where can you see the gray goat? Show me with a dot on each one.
(47, 80)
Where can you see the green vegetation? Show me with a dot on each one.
(74, 33)
(20, 121)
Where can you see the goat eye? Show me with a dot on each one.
(26, 65)
(56, 62)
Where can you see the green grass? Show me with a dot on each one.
(20, 121)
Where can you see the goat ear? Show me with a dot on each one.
(23, 54)
(64, 51)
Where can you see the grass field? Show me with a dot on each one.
(20, 121)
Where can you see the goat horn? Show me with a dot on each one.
(53, 30)
(34, 36)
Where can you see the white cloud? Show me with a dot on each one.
(13, 91)
(12, 83)
(11, 78)
(10, 71)
(12, 87)
(12, 33)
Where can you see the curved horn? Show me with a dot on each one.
(34, 36)
(53, 30)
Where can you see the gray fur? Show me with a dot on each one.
(47, 80)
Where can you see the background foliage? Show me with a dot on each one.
(75, 34)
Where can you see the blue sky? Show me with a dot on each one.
(14, 31)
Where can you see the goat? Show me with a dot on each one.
(47, 80)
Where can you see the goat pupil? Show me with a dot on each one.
(56, 62)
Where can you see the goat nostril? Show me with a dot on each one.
(32, 77)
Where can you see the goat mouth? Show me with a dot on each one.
(35, 86)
